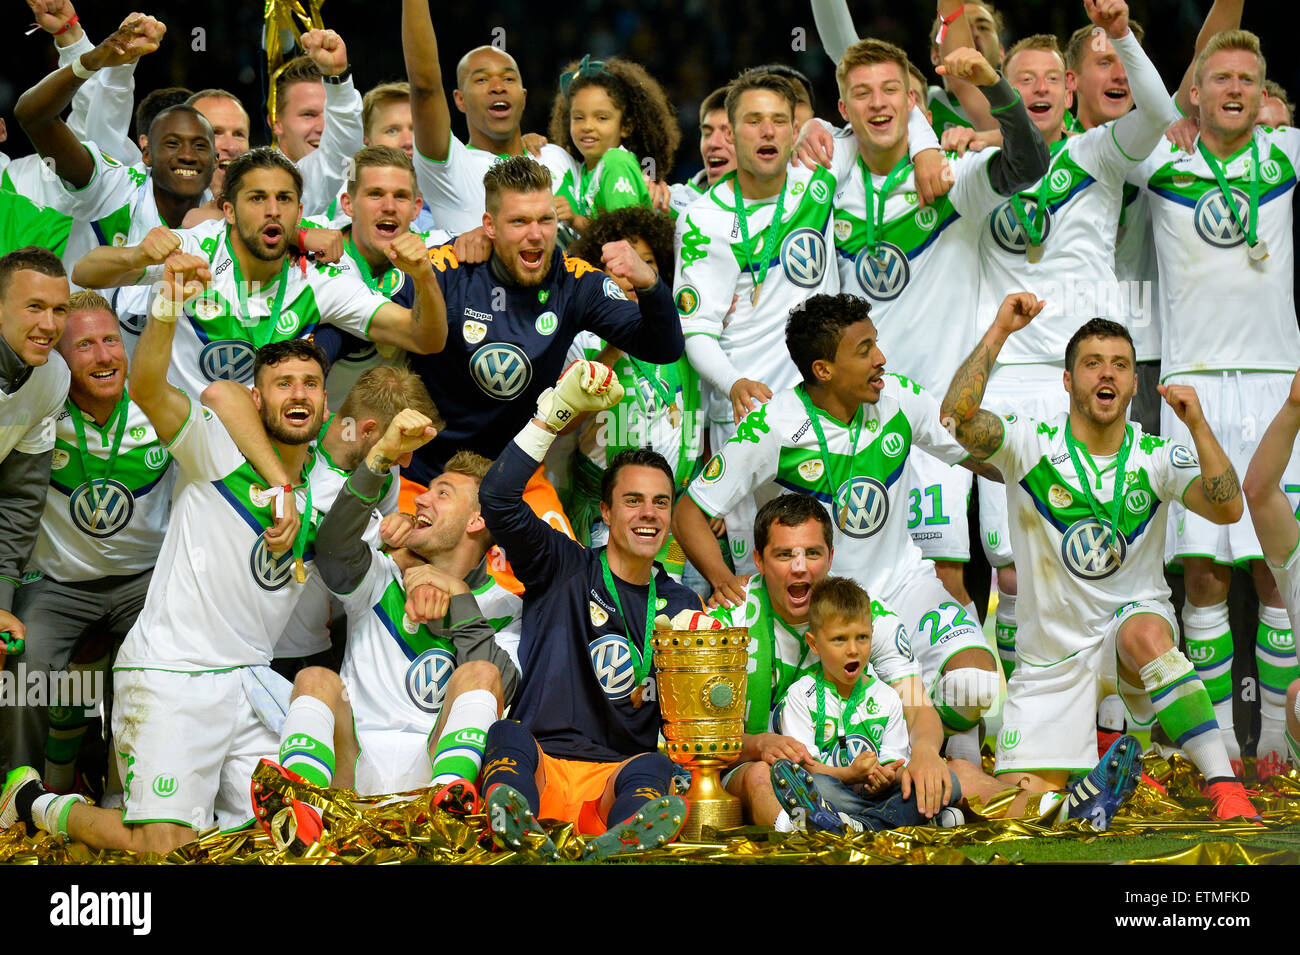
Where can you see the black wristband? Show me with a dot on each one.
(341, 78)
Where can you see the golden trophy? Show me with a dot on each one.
(701, 677)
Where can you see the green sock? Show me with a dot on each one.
(1276, 661)
(306, 740)
(459, 752)
(1183, 708)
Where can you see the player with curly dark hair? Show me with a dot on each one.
(611, 115)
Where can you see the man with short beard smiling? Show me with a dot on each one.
(262, 293)
(110, 491)
(515, 316)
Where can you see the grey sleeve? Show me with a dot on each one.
(342, 555)
(24, 481)
(1024, 157)
(834, 27)
(476, 640)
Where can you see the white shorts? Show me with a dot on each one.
(938, 494)
(392, 761)
(1238, 406)
(1031, 391)
(937, 625)
(187, 745)
(1049, 721)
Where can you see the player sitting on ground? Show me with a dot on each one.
(585, 747)
(422, 677)
(1088, 493)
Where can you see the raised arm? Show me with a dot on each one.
(956, 36)
(166, 406)
(834, 27)
(980, 431)
(107, 266)
(1270, 510)
(1024, 157)
(324, 169)
(649, 330)
(1137, 132)
(430, 114)
(1224, 15)
(342, 554)
(39, 110)
(1215, 495)
(423, 327)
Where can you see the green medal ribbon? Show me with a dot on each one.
(1112, 527)
(855, 432)
(851, 705)
(1217, 167)
(117, 421)
(255, 333)
(363, 267)
(769, 239)
(765, 660)
(876, 200)
(644, 656)
(304, 528)
(1034, 229)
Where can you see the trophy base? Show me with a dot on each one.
(710, 803)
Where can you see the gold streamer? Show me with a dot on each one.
(407, 828)
(279, 16)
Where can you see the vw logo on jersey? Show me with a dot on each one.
(134, 322)
(156, 457)
(227, 359)
(803, 256)
(884, 275)
(861, 507)
(612, 660)
(1005, 227)
(1215, 222)
(1086, 550)
(1137, 501)
(427, 677)
(116, 505)
(270, 572)
(502, 370)
(892, 444)
(846, 750)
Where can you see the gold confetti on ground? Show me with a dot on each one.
(408, 829)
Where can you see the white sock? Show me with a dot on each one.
(1110, 714)
(459, 752)
(307, 740)
(965, 745)
(783, 823)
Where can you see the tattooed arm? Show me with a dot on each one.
(980, 431)
(1216, 495)
(1270, 510)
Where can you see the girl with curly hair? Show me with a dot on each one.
(613, 115)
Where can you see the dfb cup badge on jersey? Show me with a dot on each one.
(811, 470)
(883, 276)
(473, 331)
(611, 659)
(60, 460)
(1059, 497)
(103, 509)
(270, 572)
(861, 507)
(1086, 550)
(427, 677)
(803, 257)
(598, 615)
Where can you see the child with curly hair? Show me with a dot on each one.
(612, 114)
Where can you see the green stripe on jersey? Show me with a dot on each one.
(1275, 170)
(883, 459)
(815, 206)
(391, 608)
(1062, 505)
(909, 231)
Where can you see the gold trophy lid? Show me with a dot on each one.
(686, 639)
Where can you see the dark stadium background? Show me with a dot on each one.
(691, 46)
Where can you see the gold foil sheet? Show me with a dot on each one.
(388, 831)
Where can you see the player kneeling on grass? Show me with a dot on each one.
(423, 676)
(1088, 496)
(584, 748)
